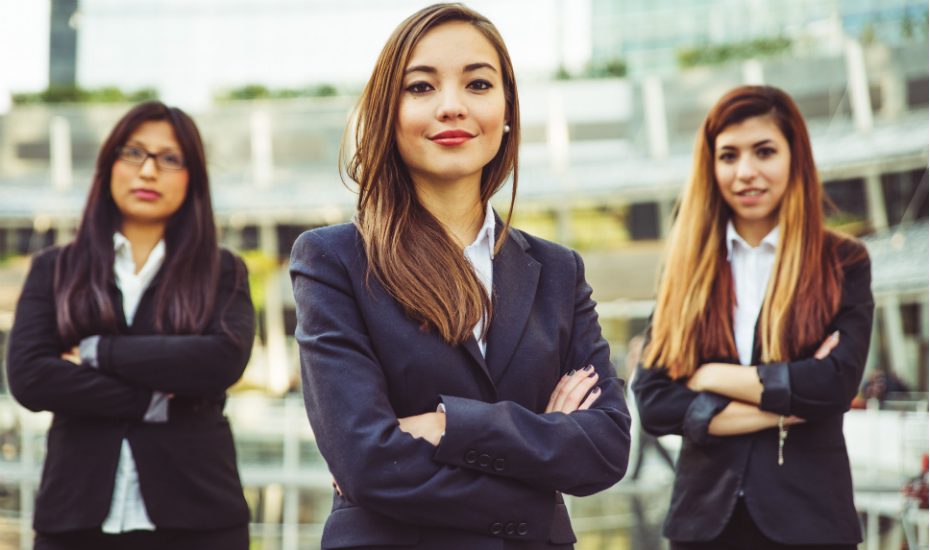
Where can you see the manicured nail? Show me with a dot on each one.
(571, 372)
(589, 368)
(836, 335)
(596, 391)
(592, 375)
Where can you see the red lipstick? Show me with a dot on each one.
(452, 138)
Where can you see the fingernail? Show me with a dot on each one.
(571, 372)
(836, 335)
(596, 391)
(592, 375)
(589, 368)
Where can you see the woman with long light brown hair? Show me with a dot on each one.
(454, 371)
(758, 340)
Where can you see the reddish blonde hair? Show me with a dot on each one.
(693, 319)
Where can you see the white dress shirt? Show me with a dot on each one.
(481, 255)
(127, 510)
(752, 268)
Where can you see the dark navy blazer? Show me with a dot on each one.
(496, 478)
(808, 499)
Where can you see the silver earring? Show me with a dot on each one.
(506, 128)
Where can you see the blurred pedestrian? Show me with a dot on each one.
(454, 371)
(130, 335)
(758, 340)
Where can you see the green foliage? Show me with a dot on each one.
(76, 94)
(612, 68)
(715, 55)
(259, 91)
(562, 73)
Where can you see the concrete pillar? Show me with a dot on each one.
(275, 345)
(753, 73)
(262, 163)
(858, 83)
(60, 153)
(557, 143)
(875, 201)
(893, 331)
(666, 207)
(656, 124)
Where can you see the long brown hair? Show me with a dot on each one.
(84, 269)
(694, 306)
(409, 251)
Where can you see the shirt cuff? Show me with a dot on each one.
(158, 408)
(776, 388)
(699, 414)
(87, 349)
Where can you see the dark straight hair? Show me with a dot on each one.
(409, 251)
(187, 285)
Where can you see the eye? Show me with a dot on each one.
(727, 156)
(480, 85)
(173, 160)
(765, 152)
(419, 87)
(132, 153)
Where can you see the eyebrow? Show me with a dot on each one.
(756, 144)
(468, 68)
(140, 145)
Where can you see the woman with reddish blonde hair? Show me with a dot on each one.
(454, 371)
(760, 332)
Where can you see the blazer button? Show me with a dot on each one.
(484, 461)
(471, 457)
(511, 528)
(499, 465)
(496, 528)
(523, 529)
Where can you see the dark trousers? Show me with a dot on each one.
(741, 533)
(235, 538)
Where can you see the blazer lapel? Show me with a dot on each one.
(471, 346)
(516, 275)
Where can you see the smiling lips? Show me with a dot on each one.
(452, 138)
(750, 197)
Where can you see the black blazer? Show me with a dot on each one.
(809, 499)
(501, 465)
(187, 466)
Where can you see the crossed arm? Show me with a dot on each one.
(723, 400)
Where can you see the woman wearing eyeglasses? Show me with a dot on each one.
(130, 335)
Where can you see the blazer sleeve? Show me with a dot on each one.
(41, 380)
(816, 388)
(668, 407)
(191, 365)
(377, 466)
(578, 453)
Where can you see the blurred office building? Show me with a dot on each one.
(606, 150)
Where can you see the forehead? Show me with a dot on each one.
(155, 134)
(453, 45)
(750, 131)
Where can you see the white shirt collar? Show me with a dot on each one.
(125, 264)
(770, 240)
(486, 233)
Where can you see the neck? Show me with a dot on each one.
(143, 238)
(457, 205)
(754, 231)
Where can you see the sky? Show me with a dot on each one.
(191, 49)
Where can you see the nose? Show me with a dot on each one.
(746, 168)
(451, 106)
(148, 169)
